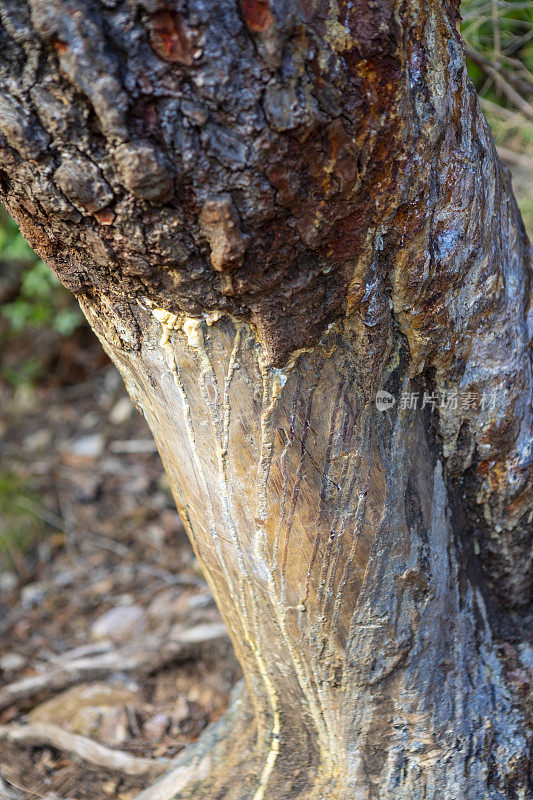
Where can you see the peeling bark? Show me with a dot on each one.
(270, 212)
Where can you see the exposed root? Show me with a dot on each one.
(8, 790)
(44, 734)
(156, 652)
(203, 767)
(229, 763)
(11, 791)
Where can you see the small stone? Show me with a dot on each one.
(87, 447)
(172, 605)
(38, 440)
(126, 599)
(155, 728)
(89, 420)
(111, 466)
(44, 550)
(120, 624)
(202, 600)
(66, 577)
(167, 606)
(121, 411)
(32, 595)
(87, 486)
(8, 582)
(159, 501)
(155, 535)
(10, 662)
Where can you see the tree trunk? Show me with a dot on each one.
(277, 217)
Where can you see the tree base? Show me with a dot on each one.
(228, 763)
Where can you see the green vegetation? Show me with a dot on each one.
(42, 300)
(19, 526)
(12, 245)
(501, 33)
(31, 300)
(499, 38)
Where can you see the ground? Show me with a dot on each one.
(89, 527)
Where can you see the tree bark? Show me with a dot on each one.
(271, 212)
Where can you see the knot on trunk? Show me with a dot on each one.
(81, 182)
(144, 172)
(219, 223)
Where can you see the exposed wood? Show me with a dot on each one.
(192, 768)
(335, 568)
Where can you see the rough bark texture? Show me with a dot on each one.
(271, 211)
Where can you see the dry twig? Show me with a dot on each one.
(44, 734)
(156, 652)
(503, 83)
(177, 779)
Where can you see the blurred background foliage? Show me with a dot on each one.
(31, 300)
(499, 41)
(20, 525)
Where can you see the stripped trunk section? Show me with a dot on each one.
(325, 530)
